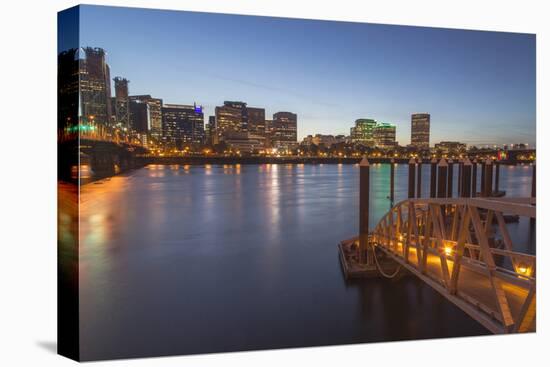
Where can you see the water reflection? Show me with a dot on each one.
(233, 257)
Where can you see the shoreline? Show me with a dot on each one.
(199, 160)
(220, 161)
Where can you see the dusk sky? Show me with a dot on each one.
(479, 87)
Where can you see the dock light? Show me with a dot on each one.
(523, 269)
(400, 237)
(448, 250)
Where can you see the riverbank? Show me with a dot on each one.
(194, 160)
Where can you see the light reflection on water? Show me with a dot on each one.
(193, 259)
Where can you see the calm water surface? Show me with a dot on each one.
(195, 259)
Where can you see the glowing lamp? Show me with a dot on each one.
(523, 269)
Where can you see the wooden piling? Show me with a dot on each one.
(534, 181)
(450, 178)
(533, 188)
(489, 178)
(483, 178)
(474, 178)
(459, 181)
(488, 189)
(419, 179)
(364, 192)
(392, 181)
(412, 180)
(466, 178)
(442, 178)
(433, 178)
(497, 176)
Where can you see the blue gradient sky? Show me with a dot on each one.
(478, 86)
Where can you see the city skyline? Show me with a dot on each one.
(479, 87)
(119, 85)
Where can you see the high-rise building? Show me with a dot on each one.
(155, 114)
(94, 86)
(198, 125)
(231, 117)
(182, 124)
(269, 132)
(68, 95)
(244, 112)
(284, 130)
(384, 135)
(420, 130)
(140, 117)
(108, 92)
(210, 131)
(256, 121)
(362, 132)
(122, 102)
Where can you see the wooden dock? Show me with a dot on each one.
(460, 246)
(353, 268)
(447, 244)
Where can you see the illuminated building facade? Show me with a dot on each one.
(450, 147)
(241, 106)
(256, 121)
(122, 102)
(420, 130)
(182, 124)
(268, 133)
(94, 86)
(140, 117)
(284, 130)
(155, 114)
(326, 140)
(231, 117)
(363, 132)
(210, 131)
(244, 142)
(384, 135)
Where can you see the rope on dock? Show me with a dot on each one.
(380, 268)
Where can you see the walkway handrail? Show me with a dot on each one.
(463, 249)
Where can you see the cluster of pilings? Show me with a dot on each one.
(441, 186)
(442, 174)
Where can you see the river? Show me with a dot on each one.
(212, 258)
